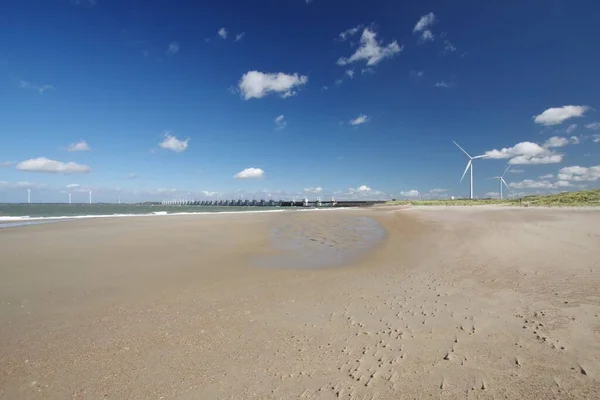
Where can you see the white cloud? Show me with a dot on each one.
(43, 164)
(422, 26)
(525, 153)
(438, 191)
(546, 159)
(547, 176)
(557, 141)
(410, 193)
(571, 128)
(73, 186)
(425, 22)
(250, 173)
(4, 164)
(280, 122)
(40, 88)
(350, 32)
(209, 194)
(449, 47)
(350, 73)
(542, 184)
(362, 189)
(79, 146)
(313, 190)
(370, 50)
(444, 84)
(516, 171)
(133, 175)
(170, 142)
(172, 49)
(255, 84)
(557, 115)
(361, 119)
(222, 33)
(239, 36)
(85, 3)
(596, 138)
(574, 140)
(579, 174)
(594, 126)
(367, 71)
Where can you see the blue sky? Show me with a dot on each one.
(344, 98)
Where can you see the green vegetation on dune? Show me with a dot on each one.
(566, 199)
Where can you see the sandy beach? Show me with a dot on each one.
(464, 302)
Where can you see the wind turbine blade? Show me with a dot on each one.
(481, 156)
(466, 169)
(463, 150)
(503, 181)
(506, 170)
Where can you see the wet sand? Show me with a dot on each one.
(482, 302)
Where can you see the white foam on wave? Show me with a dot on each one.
(153, 214)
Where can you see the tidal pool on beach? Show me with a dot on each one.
(322, 243)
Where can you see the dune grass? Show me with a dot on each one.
(567, 199)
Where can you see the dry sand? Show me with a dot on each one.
(454, 303)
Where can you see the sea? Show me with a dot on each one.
(27, 214)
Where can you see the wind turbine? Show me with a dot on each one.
(469, 165)
(502, 181)
(90, 197)
(28, 196)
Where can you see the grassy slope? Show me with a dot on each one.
(571, 199)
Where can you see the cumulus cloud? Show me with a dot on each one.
(516, 171)
(423, 25)
(350, 32)
(172, 49)
(557, 141)
(557, 115)
(350, 73)
(5, 164)
(43, 164)
(571, 128)
(370, 50)
(239, 36)
(525, 153)
(596, 138)
(314, 190)
(541, 184)
(594, 126)
(410, 193)
(579, 174)
(280, 122)
(170, 142)
(73, 186)
(361, 119)
(39, 88)
(79, 146)
(438, 191)
(361, 189)
(255, 84)
(222, 33)
(547, 176)
(250, 173)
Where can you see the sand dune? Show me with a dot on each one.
(453, 303)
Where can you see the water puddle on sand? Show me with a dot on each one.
(322, 244)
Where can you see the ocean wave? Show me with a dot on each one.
(153, 214)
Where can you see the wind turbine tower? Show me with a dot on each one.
(502, 181)
(90, 197)
(69, 197)
(28, 196)
(469, 165)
